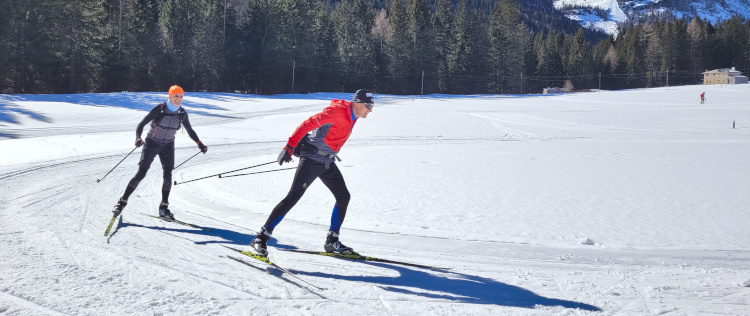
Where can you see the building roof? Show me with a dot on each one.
(730, 71)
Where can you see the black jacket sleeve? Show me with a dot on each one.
(189, 129)
(148, 118)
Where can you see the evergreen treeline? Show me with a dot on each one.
(394, 46)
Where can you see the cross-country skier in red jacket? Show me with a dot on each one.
(317, 141)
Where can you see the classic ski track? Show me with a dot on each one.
(265, 281)
(22, 302)
(194, 276)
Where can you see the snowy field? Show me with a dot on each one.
(613, 203)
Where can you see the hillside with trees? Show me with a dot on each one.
(301, 46)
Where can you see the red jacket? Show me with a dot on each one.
(330, 129)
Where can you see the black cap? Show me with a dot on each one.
(363, 96)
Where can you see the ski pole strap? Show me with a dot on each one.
(245, 174)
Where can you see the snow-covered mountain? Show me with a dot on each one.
(605, 15)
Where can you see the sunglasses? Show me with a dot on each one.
(369, 106)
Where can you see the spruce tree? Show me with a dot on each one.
(399, 47)
(353, 20)
(507, 49)
(442, 22)
(458, 62)
(422, 41)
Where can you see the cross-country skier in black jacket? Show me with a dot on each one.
(166, 118)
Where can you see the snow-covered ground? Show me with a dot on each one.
(612, 203)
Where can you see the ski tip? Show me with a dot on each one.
(175, 183)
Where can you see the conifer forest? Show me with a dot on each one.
(387, 46)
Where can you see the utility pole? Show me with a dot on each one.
(667, 78)
(294, 65)
(421, 94)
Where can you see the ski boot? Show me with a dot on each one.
(333, 245)
(260, 240)
(119, 206)
(164, 211)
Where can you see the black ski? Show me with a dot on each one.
(181, 223)
(364, 258)
(265, 259)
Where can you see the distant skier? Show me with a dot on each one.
(703, 98)
(317, 150)
(166, 118)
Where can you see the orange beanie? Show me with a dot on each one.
(175, 89)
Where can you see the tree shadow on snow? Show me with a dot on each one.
(457, 287)
(9, 113)
(131, 100)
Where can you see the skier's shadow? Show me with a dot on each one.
(227, 236)
(456, 287)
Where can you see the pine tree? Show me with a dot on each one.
(422, 35)
(631, 53)
(579, 57)
(325, 52)
(442, 22)
(507, 49)
(353, 20)
(82, 34)
(458, 62)
(731, 36)
(697, 37)
(550, 61)
(131, 60)
(477, 48)
(399, 47)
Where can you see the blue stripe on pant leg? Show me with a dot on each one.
(275, 222)
(335, 219)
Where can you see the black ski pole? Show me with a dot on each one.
(213, 175)
(245, 174)
(113, 168)
(186, 160)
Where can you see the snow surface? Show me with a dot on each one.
(612, 203)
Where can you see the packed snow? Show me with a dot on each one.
(606, 203)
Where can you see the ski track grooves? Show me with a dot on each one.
(24, 303)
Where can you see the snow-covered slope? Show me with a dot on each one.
(605, 15)
(613, 203)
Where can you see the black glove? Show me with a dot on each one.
(138, 142)
(202, 147)
(286, 154)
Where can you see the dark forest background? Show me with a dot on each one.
(388, 46)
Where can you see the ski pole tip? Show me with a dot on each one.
(175, 183)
